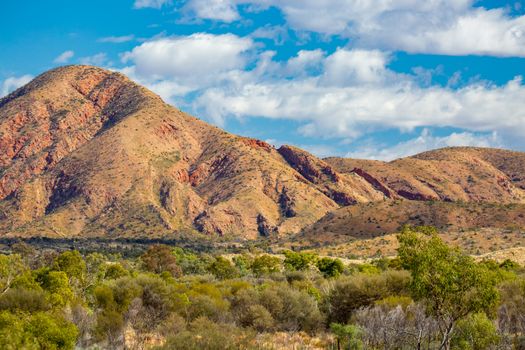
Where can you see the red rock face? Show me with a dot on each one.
(375, 183)
(305, 164)
(36, 135)
(257, 144)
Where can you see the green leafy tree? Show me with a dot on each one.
(36, 331)
(72, 263)
(451, 283)
(191, 263)
(265, 264)
(330, 267)
(13, 336)
(223, 269)
(242, 263)
(52, 332)
(476, 332)
(297, 261)
(347, 335)
(114, 271)
(56, 284)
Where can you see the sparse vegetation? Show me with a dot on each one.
(432, 296)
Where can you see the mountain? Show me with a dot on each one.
(455, 189)
(87, 152)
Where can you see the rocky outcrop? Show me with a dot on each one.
(313, 169)
(375, 183)
(342, 189)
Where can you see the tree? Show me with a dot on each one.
(11, 266)
(330, 267)
(476, 332)
(265, 264)
(451, 284)
(72, 263)
(52, 332)
(347, 335)
(114, 271)
(159, 258)
(36, 331)
(297, 261)
(191, 263)
(223, 269)
(57, 285)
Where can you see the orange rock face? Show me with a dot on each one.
(87, 152)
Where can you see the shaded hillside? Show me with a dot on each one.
(371, 220)
(85, 151)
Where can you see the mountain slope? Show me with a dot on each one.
(370, 220)
(85, 151)
(450, 174)
(454, 189)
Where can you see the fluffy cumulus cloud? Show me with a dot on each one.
(452, 27)
(64, 57)
(13, 83)
(424, 142)
(177, 65)
(344, 95)
(359, 94)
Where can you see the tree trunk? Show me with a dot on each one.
(445, 343)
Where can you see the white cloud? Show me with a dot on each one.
(157, 4)
(117, 39)
(305, 61)
(344, 95)
(348, 108)
(424, 142)
(13, 83)
(64, 57)
(222, 10)
(99, 59)
(194, 61)
(451, 27)
(346, 67)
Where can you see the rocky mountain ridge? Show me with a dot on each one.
(87, 152)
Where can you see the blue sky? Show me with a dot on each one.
(375, 79)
